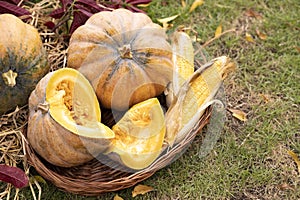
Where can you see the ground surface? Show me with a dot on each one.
(250, 160)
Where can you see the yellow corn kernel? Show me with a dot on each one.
(193, 97)
(183, 62)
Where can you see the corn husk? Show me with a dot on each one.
(195, 95)
(183, 63)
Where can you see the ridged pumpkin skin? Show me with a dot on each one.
(124, 55)
(51, 131)
(23, 61)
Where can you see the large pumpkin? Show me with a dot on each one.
(64, 119)
(23, 61)
(125, 56)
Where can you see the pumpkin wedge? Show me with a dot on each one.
(139, 135)
(64, 119)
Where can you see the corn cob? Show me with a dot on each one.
(183, 62)
(194, 96)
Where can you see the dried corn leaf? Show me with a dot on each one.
(240, 115)
(196, 4)
(295, 158)
(141, 189)
(218, 31)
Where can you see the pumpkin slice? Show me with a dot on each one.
(74, 104)
(139, 135)
(64, 119)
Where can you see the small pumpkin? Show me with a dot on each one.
(124, 55)
(64, 119)
(23, 61)
(139, 135)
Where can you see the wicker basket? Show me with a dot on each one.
(94, 178)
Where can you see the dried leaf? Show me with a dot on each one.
(80, 17)
(261, 35)
(285, 186)
(14, 1)
(295, 158)
(141, 189)
(298, 49)
(137, 2)
(239, 114)
(131, 5)
(252, 13)
(218, 31)
(165, 21)
(49, 25)
(265, 98)
(143, 5)
(57, 13)
(117, 197)
(196, 4)
(10, 8)
(13, 175)
(183, 3)
(249, 38)
(89, 5)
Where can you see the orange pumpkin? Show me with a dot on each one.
(124, 55)
(64, 119)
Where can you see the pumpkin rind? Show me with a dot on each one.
(124, 55)
(23, 61)
(51, 137)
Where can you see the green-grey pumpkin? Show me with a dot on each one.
(23, 61)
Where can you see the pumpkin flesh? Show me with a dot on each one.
(63, 132)
(139, 135)
(74, 105)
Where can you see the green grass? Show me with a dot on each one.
(250, 160)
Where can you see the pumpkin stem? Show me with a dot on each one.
(9, 78)
(125, 51)
(44, 107)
